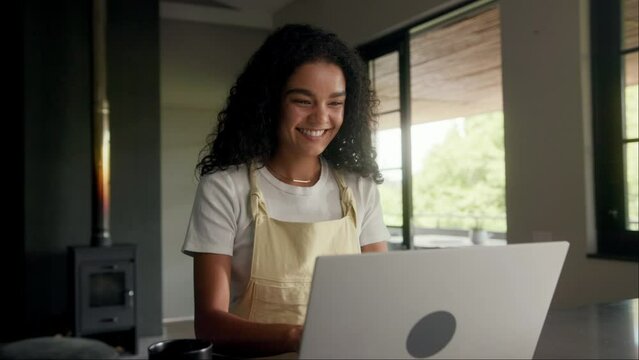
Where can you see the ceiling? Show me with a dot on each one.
(455, 72)
(248, 13)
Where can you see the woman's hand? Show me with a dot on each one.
(295, 337)
(231, 334)
(375, 247)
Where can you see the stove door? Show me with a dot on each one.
(107, 296)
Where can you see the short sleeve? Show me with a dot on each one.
(214, 217)
(372, 220)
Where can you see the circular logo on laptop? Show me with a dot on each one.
(431, 334)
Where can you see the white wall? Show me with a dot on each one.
(547, 121)
(547, 110)
(199, 63)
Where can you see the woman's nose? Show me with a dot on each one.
(321, 114)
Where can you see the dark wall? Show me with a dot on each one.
(57, 150)
(12, 152)
(134, 96)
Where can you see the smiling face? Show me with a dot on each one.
(312, 109)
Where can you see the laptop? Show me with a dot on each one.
(469, 302)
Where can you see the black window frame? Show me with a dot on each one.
(613, 239)
(399, 42)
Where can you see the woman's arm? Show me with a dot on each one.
(375, 247)
(229, 333)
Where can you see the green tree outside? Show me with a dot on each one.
(390, 194)
(462, 181)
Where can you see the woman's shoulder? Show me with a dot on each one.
(232, 176)
(363, 184)
(231, 171)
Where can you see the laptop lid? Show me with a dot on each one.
(470, 302)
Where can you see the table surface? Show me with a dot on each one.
(598, 331)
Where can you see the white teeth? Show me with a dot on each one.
(314, 133)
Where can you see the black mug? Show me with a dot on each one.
(191, 349)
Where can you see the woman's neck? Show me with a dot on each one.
(295, 170)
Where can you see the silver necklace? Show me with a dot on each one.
(299, 181)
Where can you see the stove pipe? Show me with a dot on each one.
(101, 136)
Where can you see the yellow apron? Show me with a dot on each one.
(284, 258)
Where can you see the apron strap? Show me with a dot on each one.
(346, 196)
(256, 199)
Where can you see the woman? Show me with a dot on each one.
(288, 175)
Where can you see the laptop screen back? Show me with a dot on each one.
(471, 302)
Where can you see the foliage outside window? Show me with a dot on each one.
(463, 176)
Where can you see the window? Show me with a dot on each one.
(384, 74)
(440, 140)
(615, 131)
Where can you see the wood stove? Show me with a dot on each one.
(103, 289)
(103, 275)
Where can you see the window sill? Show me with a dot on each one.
(431, 241)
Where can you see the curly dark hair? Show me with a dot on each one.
(247, 126)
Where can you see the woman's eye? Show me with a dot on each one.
(336, 103)
(302, 101)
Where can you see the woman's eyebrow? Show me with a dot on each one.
(310, 93)
(298, 91)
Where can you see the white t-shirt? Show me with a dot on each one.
(221, 221)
